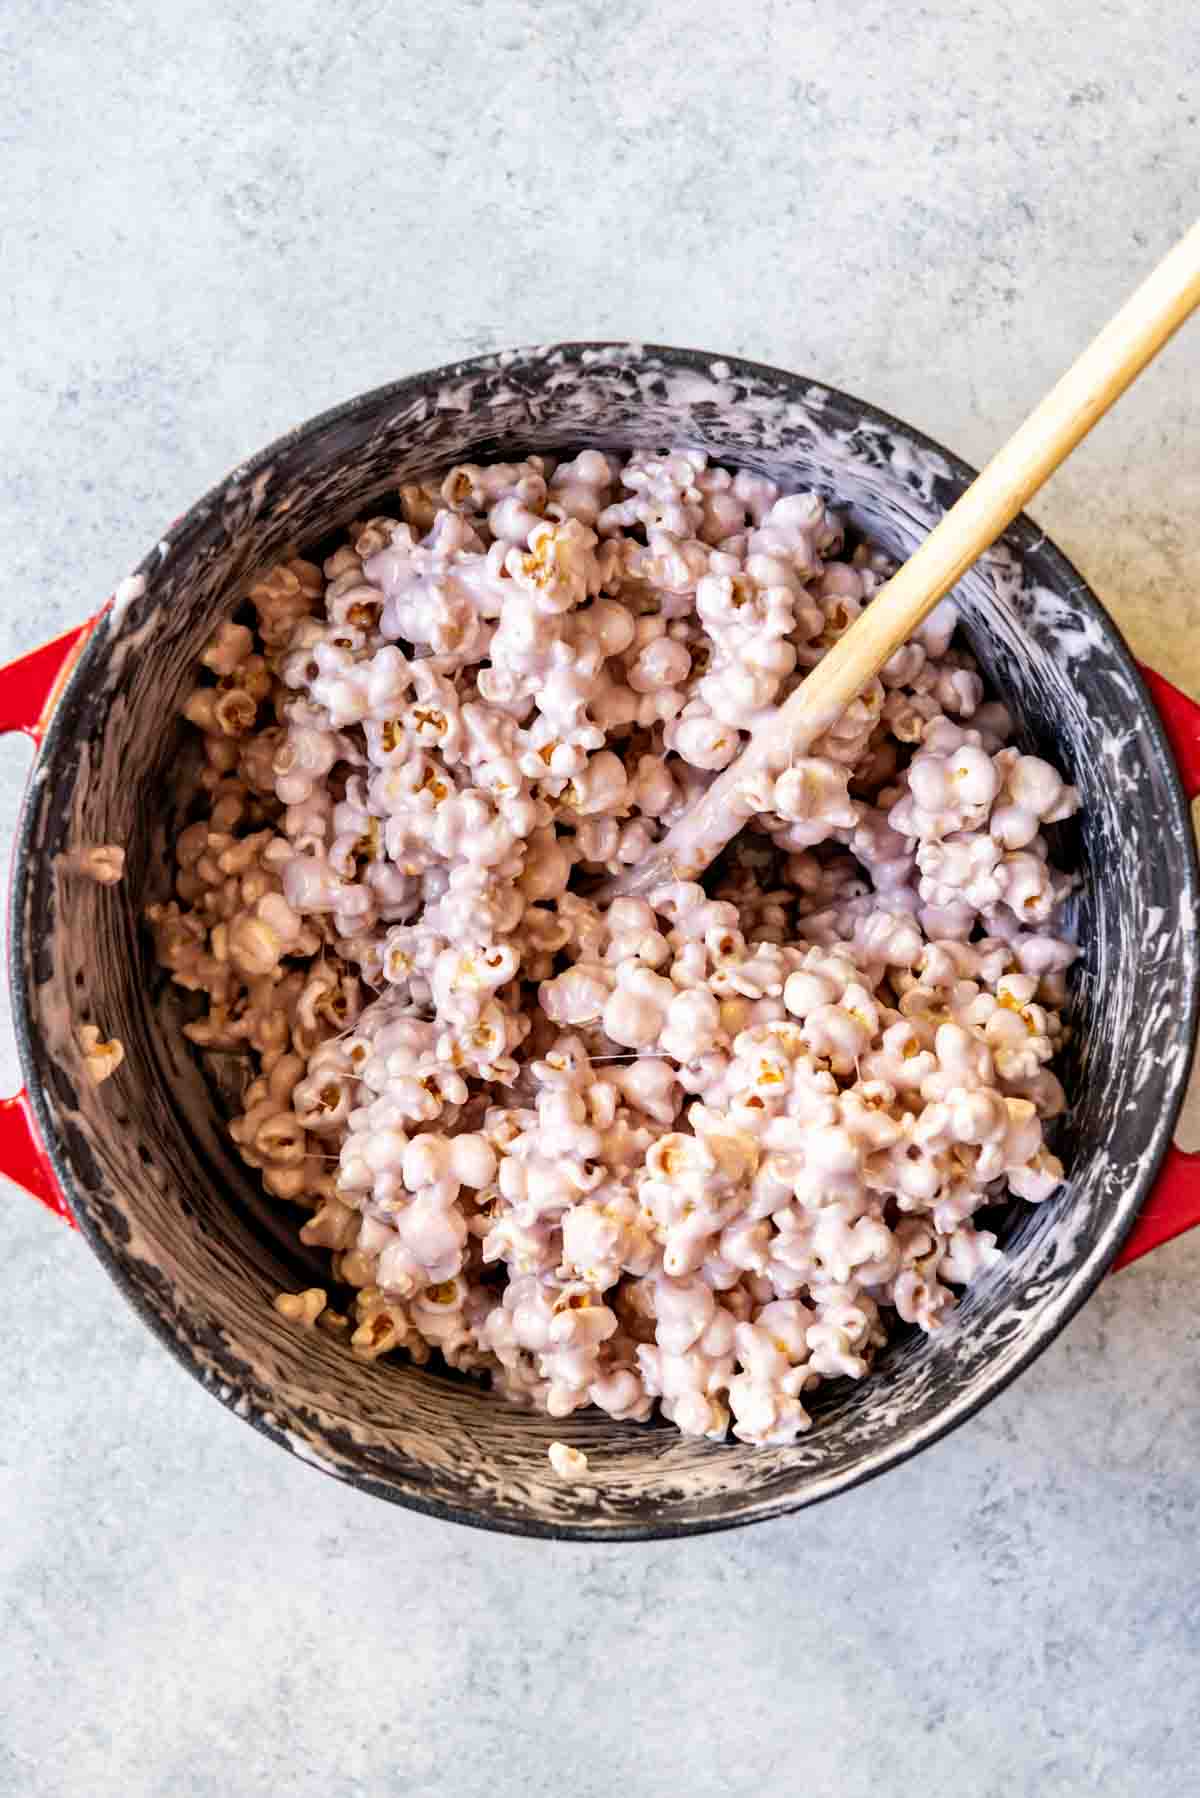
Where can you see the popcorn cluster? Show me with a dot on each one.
(694, 1149)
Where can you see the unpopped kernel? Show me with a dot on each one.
(698, 1150)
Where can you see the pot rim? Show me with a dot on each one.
(1024, 536)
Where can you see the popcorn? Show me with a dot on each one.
(568, 1463)
(303, 1308)
(581, 488)
(100, 1059)
(101, 862)
(693, 1150)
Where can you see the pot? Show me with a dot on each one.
(142, 1164)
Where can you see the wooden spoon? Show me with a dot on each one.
(1068, 412)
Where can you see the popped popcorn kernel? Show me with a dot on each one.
(304, 1308)
(100, 1059)
(101, 862)
(568, 1463)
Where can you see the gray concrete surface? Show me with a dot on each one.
(217, 220)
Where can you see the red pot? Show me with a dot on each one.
(145, 1170)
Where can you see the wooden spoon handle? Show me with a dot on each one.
(1049, 434)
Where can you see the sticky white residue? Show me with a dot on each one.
(917, 465)
(131, 588)
(303, 1449)
(1115, 748)
(690, 388)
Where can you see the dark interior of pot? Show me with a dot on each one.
(183, 1225)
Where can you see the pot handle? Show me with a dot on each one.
(23, 1159)
(29, 688)
(1174, 1203)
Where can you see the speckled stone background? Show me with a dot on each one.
(216, 220)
